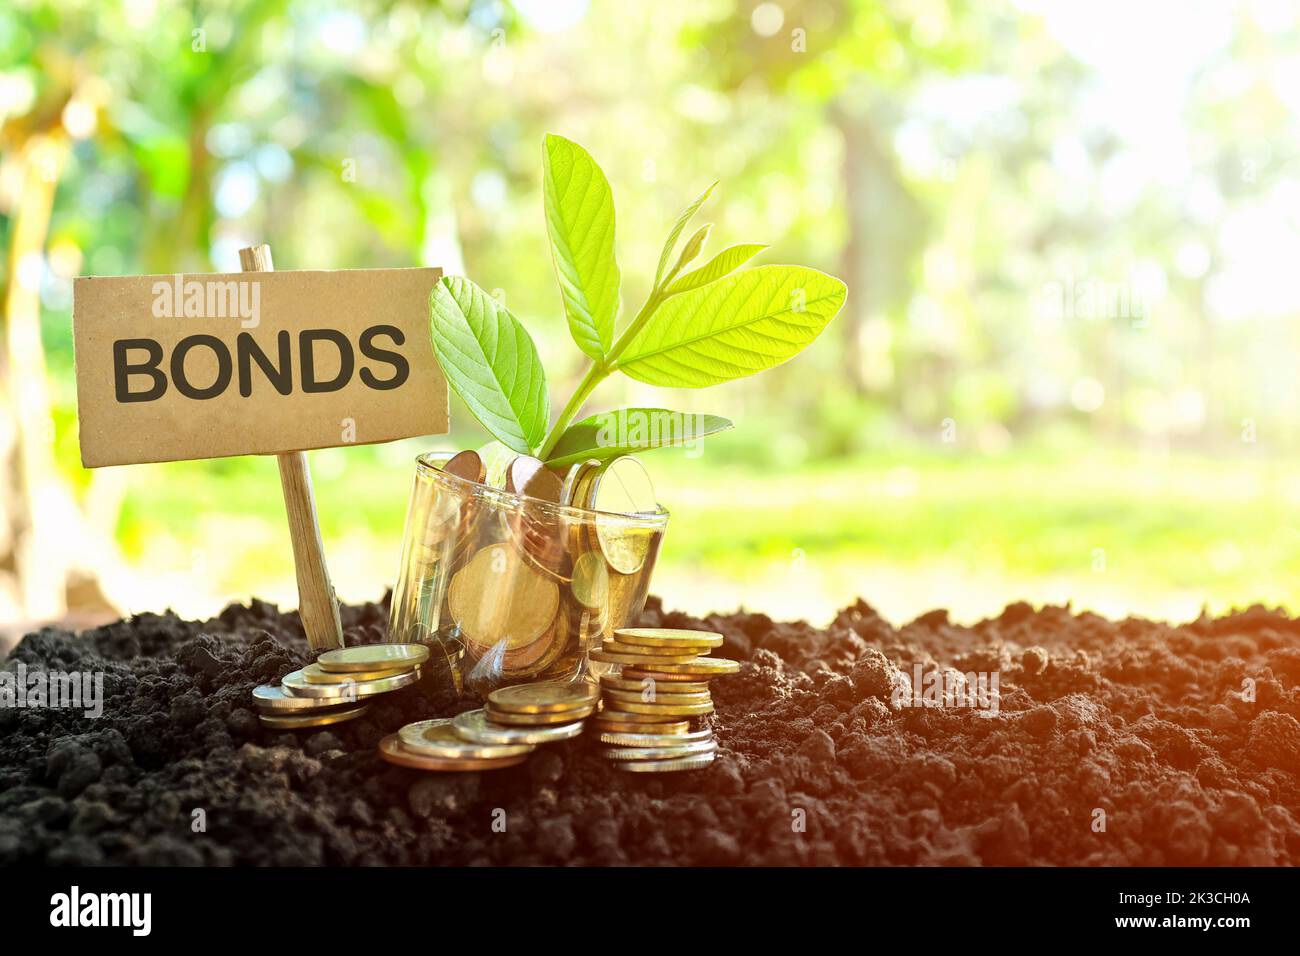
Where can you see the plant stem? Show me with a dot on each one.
(597, 372)
(594, 376)
(642, 317)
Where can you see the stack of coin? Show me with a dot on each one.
(542, 705)
(337, 686)
(436, 745)
(663, 682)
(502, 734)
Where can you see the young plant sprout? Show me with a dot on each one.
(701, 327)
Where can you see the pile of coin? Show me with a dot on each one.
(503, 733)
(645, 709)
(519, 586)
(338, 686)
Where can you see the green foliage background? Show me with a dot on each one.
(1065, 369)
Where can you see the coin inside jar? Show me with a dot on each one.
(467, 465)
(521, 471)
(439, 738)
(537, 530)
(590, 582)
(372, 657)
(546, 697)
(574, 481)
(623, 487)
(498, 597)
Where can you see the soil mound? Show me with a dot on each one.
(1128, 742)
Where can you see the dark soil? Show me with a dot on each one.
(1141, 720)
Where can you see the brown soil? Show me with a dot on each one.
(1143, 721)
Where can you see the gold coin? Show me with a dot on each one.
(624, 546)
(438, 738)
(658, 753)
(500, 597)
(622, 487)
(468, 466)
(574, 481)
(475, 726)
(372, 657)
(653, 697)
(606, 725)
(536, 529)
(648, 683)
(646, 672)
(645, 660)
(314, 675)
(545, 485)
(654, 653)
(523, 470)
(391, 749)
(667, 637)
(627, 594)
(615, 712)
(273, 699)
(545, 698)
(699, 667)
(322, 719)
(696, 762)
(434, 522)
(534, 720)
(296, 684)
(637, 738)
(537, 657)
(590, 583)
(666, 710)
(522, 658)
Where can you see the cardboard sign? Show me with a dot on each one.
(206, 366)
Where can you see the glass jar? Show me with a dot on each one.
(508, 589)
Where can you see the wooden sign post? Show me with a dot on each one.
(205, 366)
(318, 606)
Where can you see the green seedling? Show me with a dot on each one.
(703, 327)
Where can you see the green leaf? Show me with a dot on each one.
(724, 263)
(734, 327)
(628, 430)
(681, 224)
(694, 246)
(580, 222)
(491, 362)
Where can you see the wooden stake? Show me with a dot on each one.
(317, 605)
